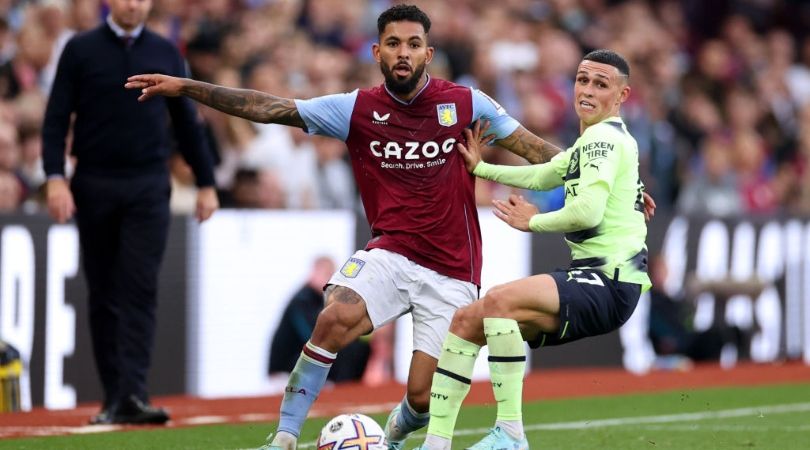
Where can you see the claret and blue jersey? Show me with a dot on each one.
(418, 196)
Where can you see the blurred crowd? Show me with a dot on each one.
(720, 102)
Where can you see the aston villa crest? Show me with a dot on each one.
(447, 114)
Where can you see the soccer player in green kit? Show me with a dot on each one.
(604, 225)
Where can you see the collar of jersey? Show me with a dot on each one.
(427, 83)
(617, 119)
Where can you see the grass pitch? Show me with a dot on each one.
(772, 417)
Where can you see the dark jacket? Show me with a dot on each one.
(113, 133)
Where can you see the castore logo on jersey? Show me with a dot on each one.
(380, 119)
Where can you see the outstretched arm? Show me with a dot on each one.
(534, 149)
(246, 103)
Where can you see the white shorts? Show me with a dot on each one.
(392, 285)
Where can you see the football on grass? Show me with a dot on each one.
(352, 432)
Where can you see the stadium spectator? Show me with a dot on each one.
(799, 168)
(53, 17)
(6, 40)
(204, 53)
(713, 190)
(15, 188)
(11, 192)
(257, 188)
(120, 191)
(756, 173)
(694, 61)
(231, 134)
(680, 335)
(274, 149)
(85, 14)
(415, 205)
(30, 166)
(603, 222)
(335, 189)
(9, 148)
(298, 321)
(24, 71)
(672, 334)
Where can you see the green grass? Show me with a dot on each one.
(776, 417)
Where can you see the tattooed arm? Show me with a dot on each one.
(246, 103)
(534, 149)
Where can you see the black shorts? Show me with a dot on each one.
(591, 303)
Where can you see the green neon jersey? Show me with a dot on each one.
(603, 215)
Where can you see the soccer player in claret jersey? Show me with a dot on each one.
(603, 222)
(424, 256)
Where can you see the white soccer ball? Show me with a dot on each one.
(352, 432)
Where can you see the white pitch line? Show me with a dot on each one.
(624, 421)
(205, 420)
(90, 429)
(196, 420)
(685, 417)
(736, 428)
(648, 422)
(50, 431)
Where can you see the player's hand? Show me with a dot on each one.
(207, 203)
(649, 207)
(476, 138)
(516, 211)
(155, 84)
(60, 200)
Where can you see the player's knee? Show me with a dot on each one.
(496, 303)
(336, 325)
(340, 317)
(464, 319)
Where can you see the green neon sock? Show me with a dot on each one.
(507, 364)
(451, 383)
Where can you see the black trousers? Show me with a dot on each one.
(123, 226)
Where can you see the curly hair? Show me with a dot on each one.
(399, 13)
